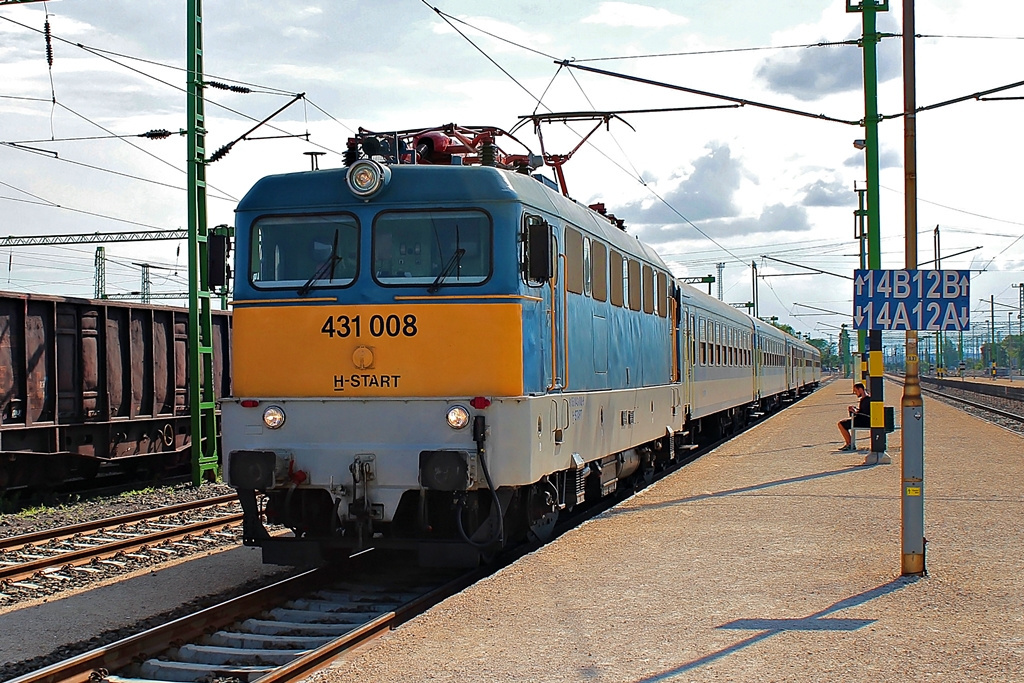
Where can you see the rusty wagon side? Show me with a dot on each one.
(86, 382)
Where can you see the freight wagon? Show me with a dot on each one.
(89, 383)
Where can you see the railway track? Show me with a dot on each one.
(999, 404)
(284, 631)
(39, 563)
(277, 633)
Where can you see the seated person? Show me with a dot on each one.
(860, 416)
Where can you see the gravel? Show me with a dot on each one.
(13, 669)
(42, 518)
(950, 396)
(129, 609)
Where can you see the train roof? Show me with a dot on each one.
(421, 184)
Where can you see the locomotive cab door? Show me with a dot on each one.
(540, 268)
(559, 312)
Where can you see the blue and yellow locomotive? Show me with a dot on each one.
(435, 350)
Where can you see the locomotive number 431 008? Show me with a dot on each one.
(376, 326)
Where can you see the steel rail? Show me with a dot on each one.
(974, 404)
(14, 542)
(100, 663)
(97, 664)
(318, 658)
(21, 571)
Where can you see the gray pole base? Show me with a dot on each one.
(874, 458)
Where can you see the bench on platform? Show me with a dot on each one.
(890, 425)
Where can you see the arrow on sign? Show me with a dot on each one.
(858, 317)
(859, 285)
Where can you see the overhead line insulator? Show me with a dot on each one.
(49, 45)
(224, 86)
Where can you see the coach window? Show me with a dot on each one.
(291, 251)
(573, 261)
(634, 285)
(627, 285)
(599, 269)
(662, 299)
(693, 339)
(615, 272)
(417, 248)
(703, 344)
(648, 289)
(712, 343)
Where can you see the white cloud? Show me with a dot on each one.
(757, 181)
(622, 14)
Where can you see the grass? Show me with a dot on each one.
(138, 492)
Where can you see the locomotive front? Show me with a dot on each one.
(378, 353)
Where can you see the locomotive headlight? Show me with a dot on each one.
(457, 417)
(366, 178)
(273, 417)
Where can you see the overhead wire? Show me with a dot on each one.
(213, 195)
(102, 54)
(722, 51)
(449, 20)
(46, 202)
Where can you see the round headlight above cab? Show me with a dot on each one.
(273, 417)
(366, 178)
(457, 417)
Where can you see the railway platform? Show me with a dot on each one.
(772, 558)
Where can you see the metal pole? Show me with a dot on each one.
(202, 401)
(753, 285)
(146, 284)
(912, 543)
(869, 43)
(862, 234)
(992, 334)
(940, 364)
(101, 273)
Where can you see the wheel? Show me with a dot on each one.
(541, 512)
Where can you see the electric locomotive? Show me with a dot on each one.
(435, 350)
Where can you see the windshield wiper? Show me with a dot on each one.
(325, 267)
(453, 263)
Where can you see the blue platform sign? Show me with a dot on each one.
(932, 300)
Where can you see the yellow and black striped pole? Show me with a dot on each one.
(876, 370)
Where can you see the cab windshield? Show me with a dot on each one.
(433, 248)
(304, 251)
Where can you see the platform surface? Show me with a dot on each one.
(773, 558)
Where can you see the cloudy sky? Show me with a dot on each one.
(704, 186)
